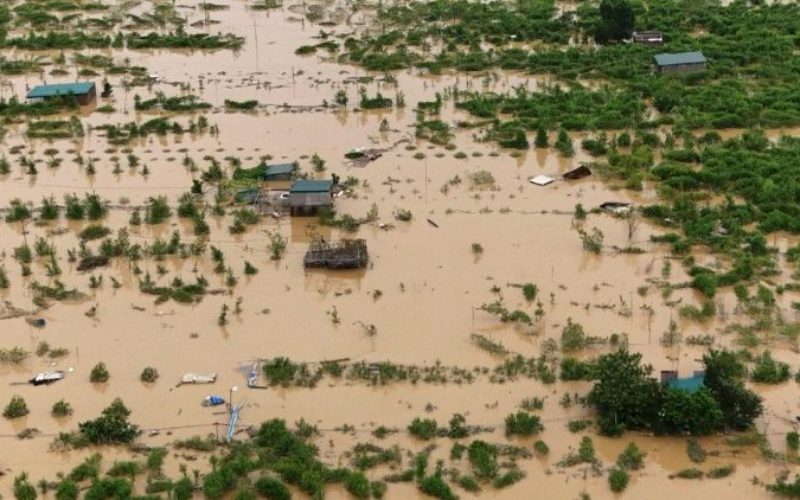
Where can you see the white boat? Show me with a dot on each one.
(44, 378)
(197, 378)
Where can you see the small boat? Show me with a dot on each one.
(45, 378)
(197, 378)
(213, 401)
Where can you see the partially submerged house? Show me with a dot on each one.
(648, 37)
(265, 172)
(345, 254)
(681, 62)
(280, 172)
(84, 92)
(690, 384)
(307, 197)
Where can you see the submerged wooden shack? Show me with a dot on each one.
(344, 254)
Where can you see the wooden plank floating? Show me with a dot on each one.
(345, 254)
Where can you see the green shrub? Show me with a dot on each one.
(541, 447)
(523, 424)
(618, 480)
(272, 489)
(769, 371)
(61, 408)
(631, 458)
(16, 408)
(149, 375)
(793, 440)
(99, 374)
(423, 428)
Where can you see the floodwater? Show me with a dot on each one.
(432, 284)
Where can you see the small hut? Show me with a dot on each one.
(84, 92)
(345, 254)
(648, 37)
(682, 62)
(280, 172)
(307, 197)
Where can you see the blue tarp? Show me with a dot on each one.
(215, 400)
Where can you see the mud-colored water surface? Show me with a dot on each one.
(417, 303)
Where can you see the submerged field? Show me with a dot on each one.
(483, 350)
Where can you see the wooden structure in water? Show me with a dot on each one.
(345, 254)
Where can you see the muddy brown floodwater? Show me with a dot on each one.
(431, 282)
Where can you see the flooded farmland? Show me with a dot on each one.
(474, 275)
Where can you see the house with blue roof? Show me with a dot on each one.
(84, 92)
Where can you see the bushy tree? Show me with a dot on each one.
(111, 427)
(616, 21)
(739, 406)
(696, 413)
(625, 395)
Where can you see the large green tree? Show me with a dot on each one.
(625, 395)
(724, 373)
(616, 21)
(694, 412)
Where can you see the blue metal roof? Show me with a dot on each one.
(680, 58)
(306, 186)
(691, 384)
(57, 89)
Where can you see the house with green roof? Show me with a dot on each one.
(680, 62)
(84, 92)
(280, 172)
(307, 197)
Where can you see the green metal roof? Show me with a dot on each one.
(680, 58)
(60, 89)
(691, 384)
(279, 169)
(306, 186)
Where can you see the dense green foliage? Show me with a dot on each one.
(111, 427)
(627, 397)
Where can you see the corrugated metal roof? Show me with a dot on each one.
(279, 169)
(306, 186)
(691, 384)
(79, 88)
(680, 58)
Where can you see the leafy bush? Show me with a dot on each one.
(111, 427)
(280, 371)
(149, 375)
(483, 458)
(16, 408)
(423, 428)
(631, 458)
(769, 371)
(272, 489)
(523, 424)
(61, 408)
(618, 480)
(99, 374)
